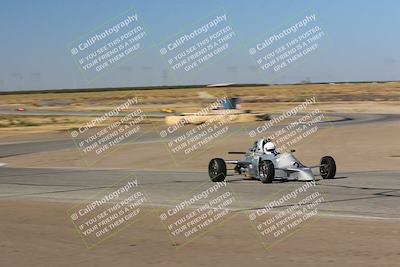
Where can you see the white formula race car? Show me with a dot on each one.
(263, 162)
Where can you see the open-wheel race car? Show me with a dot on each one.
(263, 162)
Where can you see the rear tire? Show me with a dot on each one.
(328, 168)
(217, 170)
(266, 171)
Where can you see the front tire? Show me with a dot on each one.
(217, 170)
(328, 167)
(266, 171)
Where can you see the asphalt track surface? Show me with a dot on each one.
(369, 195)
(339, 120)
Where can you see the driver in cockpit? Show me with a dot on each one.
(269, 148)
(265, 146)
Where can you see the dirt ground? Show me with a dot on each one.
(41, 234)
(364, 143)
(182, 99)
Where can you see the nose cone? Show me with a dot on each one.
(305, 174)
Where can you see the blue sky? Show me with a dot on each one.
(361, 41)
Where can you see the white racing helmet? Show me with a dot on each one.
(269, 147)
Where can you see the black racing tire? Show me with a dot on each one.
(266, 171)
(217, 170)
(328, 167)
